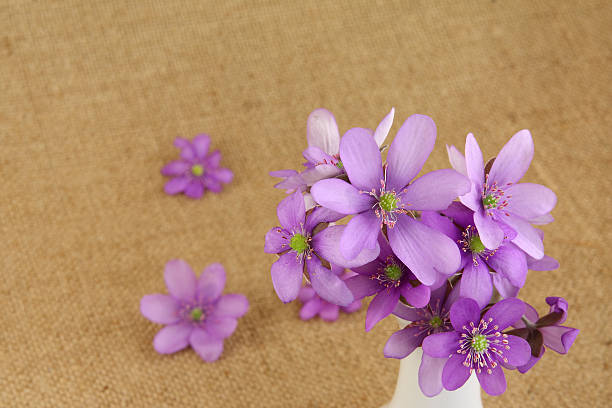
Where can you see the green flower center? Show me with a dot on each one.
(388, 202)
(197, 170)
(476, 244)
(196, 314)
(435, 322)
(479, 343)
(299, 243)
(340, 165)
(489, 201)
(393, 272)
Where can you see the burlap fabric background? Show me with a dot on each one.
(93, 94)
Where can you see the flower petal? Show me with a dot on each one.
(441, 223)
(291, 211)
(311, 308)
(340, 196)
(490, 233)
(504, 287)
(195, 189)
(409, 151)
(459, 214)
(380, 307)
(494, 383)
(277, 240)
(403, 342)
(434, 191)
(329, 312)
(519, 352)
(319, 172)
(463, 312)
(319, 215)
(532, 361)
(513, 160)
(382, 130)
(505, 312)
(559, 338)
(327, 245)
(322, 131)
(362, 286)
(474, 161)
(223, 175)
(430, 375)
(360, 234)
(209, 348)
(232, 305)
(476, 283)
(423, 250)
(158, 308)
(180, 280)
(530, 200)
(327, 284)
(201, 143)
(441, 345)
(287, 276)
(408, 313)
(361, 159)
(172, 338)
(316, 156)
(211, 283)
(547, 263)
(175, 168)
(353, 307)
(417, 296)
(177, 185)
(220, 327)
(454, 373)
(456, 159)
(510, 262)
(527, 237)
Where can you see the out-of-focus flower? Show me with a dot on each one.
(197, 170)
(195, 311)
(314, 305)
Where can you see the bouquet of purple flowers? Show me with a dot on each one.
(447, 251)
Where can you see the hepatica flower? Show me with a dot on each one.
(300, 247)
(383, 196)
(499, 202)
(195, 311)
(387, 278)
(322, 154)
(545, 331)
(477, 344)
(314, 305)
(505, 266)
(197, 170)
(423, 322)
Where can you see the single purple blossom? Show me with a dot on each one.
(423, 322)
(322, 154)
(478, 344)
(545, 331)
(387, 278)
(197, 170)
(195, 311)
(383, 196)
(300, 247)
(498, 200)
(504, 267)
(314, 305)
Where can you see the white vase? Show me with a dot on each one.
(408, 394)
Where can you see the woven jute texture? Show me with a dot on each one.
(92, 94)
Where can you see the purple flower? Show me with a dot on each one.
(298, 245)
(478, 344)
(382, 196)
(314, 305)
(545, 331)
(197, 170)
(322, 154)
(423, 322)
(195, 312)
(499, 203)
(387, 278)
(507, 262)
